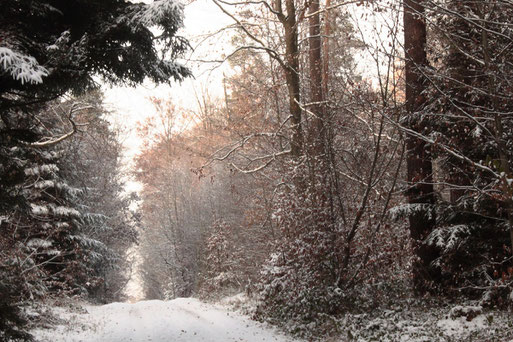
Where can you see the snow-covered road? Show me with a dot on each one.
(183, 319)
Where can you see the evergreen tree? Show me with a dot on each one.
(47, 49)
(471, 128)
(50, 47)
(91, 162)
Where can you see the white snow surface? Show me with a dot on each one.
(183, 319)
(459, 326)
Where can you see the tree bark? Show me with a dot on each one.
(292, 76)
(326, 49)
(316, 79)
(419, 162)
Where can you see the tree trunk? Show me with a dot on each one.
(292, 76)
(316, 80)
(419, 163)
(326, 49)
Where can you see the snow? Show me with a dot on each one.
(38, 209)
(183, 319)
(448, 238)
(41, 169)
(39, 243)
(157, 11)
(65, 211)
(421, 321)
(459, 326)
(22, 68)
(465, 311)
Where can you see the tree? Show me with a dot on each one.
(222, 260)
(91, 162)
(326, 233)
(50, 48)
(288, 18)
(420, 194)
(469, 129)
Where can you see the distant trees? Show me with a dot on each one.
(55, 233)
(185, 209)
(222, 264)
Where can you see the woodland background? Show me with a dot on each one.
(352, 164)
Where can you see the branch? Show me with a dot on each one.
(271, 52)
(52, 141)
(443, 147)
(241, 144)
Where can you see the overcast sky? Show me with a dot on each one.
(132, 105)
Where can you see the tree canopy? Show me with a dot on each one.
(50, 47)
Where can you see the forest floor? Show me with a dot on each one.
(191, 320)
(183, 319)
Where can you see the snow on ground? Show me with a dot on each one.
(183, 319)
(430, 323)
(190, 320)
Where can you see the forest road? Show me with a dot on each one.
(182, 319)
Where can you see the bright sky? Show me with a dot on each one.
(129, 106)
(132, 105)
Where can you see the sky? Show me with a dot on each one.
(132, 105)
(129, 106)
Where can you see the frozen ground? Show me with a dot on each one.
(429, 323)
(188, 319)
(183, 319)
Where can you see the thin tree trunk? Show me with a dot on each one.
(292, 76)
(316, 85)
(419, 163)
(326, 49)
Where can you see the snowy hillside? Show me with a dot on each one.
(184, 319)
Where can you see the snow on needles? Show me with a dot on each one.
(22, 68)
(157, 11)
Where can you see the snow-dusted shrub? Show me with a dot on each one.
(419, 320)
(221, 275)
(12, 319)
(317, 271)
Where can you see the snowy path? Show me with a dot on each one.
(183, 319)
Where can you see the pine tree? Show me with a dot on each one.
(48, 49)
(471, 126)
(91, 162)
